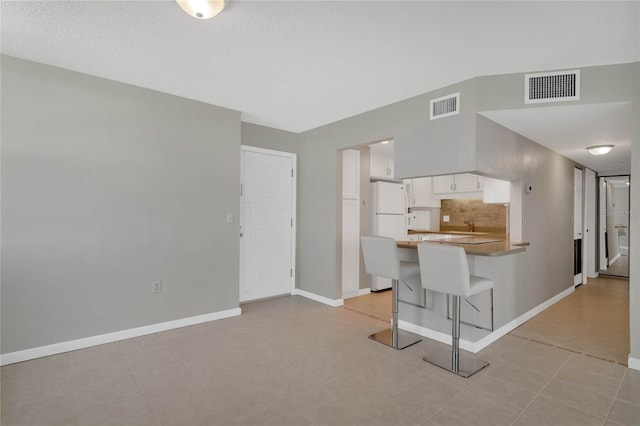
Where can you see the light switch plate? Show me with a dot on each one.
(445, 218)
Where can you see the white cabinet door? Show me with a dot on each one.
(422, 193)
(379, 165)
(443, 184)
(465, 183)
(350, 247)
(390, 167)
(462, 182)
(351, 174)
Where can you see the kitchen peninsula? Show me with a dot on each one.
(485, 317)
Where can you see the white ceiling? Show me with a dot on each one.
(297, 65)
(568, 130)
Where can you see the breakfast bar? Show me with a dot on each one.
(484, 317)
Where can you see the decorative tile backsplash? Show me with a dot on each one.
(485, 217)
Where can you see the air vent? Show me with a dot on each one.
(552, 87)
(444, 106)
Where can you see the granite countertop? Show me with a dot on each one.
(475, 245)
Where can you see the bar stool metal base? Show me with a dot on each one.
(467, 366)
(403, 339)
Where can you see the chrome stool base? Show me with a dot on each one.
(402, 340)
(467, 364)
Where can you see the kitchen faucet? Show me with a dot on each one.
(469, 222)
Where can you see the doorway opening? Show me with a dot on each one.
(614, 226)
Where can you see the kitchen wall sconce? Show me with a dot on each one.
(600, 149)
(202, 9)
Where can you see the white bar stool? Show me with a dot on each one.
(381, 258)
(445, 269)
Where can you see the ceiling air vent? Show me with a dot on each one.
(444, 106)
(552, 87)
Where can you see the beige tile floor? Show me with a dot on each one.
(291, 361)
(620, 267)
(375, 304)
(594, 320)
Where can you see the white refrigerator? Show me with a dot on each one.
(388, 218)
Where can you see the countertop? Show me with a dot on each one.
(475, 245)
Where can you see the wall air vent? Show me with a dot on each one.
(444, 106)
(552, 87)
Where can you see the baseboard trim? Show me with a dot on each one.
(434, 335)
(317, 298)
(633, 363)
(616, 257)
(72, 345)
(359, 292)
(477, 346)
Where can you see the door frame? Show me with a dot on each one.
(294, 204)
(578, 214)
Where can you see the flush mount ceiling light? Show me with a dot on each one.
(202, 9)
(600, 149)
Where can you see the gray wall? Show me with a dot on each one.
(318, 250)
(441, 146)
(547, 222)
(269, 138)
(105, 188)
(318, 258)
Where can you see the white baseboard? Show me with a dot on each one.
(315, 297)
(72, 345)
(633, 363)
(359, 292)
(434, 335)
(616, 257)
(477, 346)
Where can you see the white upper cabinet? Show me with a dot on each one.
(351, 174)
(422, 193)
(450, 184)
(382, 160)
(496, 191)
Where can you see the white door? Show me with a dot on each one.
(577, 225)
(267, 232)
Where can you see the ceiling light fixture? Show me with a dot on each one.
(600, 149)
(202, 9)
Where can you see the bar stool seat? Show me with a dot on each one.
(381, 258)
(444, 268)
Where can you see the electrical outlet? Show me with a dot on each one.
(156, 287)
(445, 218)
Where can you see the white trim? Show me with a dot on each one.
(633, 363)
(477, 346)
(86, 342)
(315, 297)
(294, 202)
(359, 292)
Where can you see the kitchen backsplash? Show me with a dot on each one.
(485, 217)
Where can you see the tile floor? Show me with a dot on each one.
(594, 320)
(375, 304)
(291, 361)
(619, 268)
